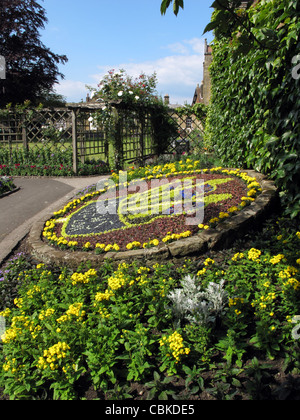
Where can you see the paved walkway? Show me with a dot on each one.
(36, 197)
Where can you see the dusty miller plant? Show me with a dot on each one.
(196, 306)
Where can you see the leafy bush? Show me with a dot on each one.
(6, 184)
(253, 120)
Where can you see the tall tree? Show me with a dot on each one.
(31, 68)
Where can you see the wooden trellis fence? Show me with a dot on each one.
(73, 131)
(190, 132)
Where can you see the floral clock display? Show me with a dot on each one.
(159, 213)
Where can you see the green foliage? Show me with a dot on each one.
(112, 326)
(50, 160)
(253, 120)
(6, 184)
(199, 110)
(176, 5)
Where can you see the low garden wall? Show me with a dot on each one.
(222, 236)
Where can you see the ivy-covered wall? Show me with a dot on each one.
(254, 117)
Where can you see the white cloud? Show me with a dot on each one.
(185, 47)
(178, 72)
(73, 90)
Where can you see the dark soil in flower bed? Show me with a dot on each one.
(108, 229)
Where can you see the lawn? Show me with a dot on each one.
(217, 326)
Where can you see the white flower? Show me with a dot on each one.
(130, 92)
(104, 108)
(91, 119)
(137, 97)
(120, 93)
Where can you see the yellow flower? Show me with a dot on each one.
(251, 193)
(5, 313)
(214, 220)
(235, 301)
(254, 254)
(209, 261)
(132, 245)
(103, 296)
(46, 313)
(298, 235)
(52, 355)
(72, 243)
(276, 259)
(174, 343)
(40, 266)
(223, 215)
(237, 256)
(78, 278)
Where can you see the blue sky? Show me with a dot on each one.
(99, 35)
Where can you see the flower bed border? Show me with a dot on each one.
(220, 237)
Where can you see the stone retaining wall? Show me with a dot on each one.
(212, 239)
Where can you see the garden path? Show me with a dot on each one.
(36, 197)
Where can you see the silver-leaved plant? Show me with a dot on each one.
(196, 306)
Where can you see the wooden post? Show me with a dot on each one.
(142, 139)
(24, 135)
(74, 140)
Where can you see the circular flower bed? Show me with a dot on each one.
(134, 224)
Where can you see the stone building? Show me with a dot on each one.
(202, 93)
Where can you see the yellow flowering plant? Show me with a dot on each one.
(173, 350)
(66, 327)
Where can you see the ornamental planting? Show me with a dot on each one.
(150, 207)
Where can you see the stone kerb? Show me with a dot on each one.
(221, 237)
